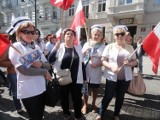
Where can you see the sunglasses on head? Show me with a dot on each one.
(27, 32)
(122, 34)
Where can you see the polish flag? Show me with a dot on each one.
(63, 4)
(4, 43)
(151, 46)
(59, 34)
(78, 21)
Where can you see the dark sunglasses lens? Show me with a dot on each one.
(122, 34)
(27, 32)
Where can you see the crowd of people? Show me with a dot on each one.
(28, 84)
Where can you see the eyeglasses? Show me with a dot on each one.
(27, 32)
(122, 34)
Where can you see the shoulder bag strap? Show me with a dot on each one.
(72, 57)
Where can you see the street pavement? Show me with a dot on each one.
(146, 107)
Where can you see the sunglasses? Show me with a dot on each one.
(122, 34)
(27, 32)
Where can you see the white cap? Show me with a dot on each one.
(96, 26)
(16, 23)
(120, 26)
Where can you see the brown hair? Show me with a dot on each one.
(21, 27)
(68, 29)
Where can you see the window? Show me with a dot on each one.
(85, 4)
(46, 14)
(103, 30)
(122, 2)
(71, 10)
(101, 5)
(86, 11)
(54, 13)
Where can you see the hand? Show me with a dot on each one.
(57, 45)
(86, 50)
(126, 62)
(114, 69)
(37, 64)
(48, 76)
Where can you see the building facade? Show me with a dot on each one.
(140, 16)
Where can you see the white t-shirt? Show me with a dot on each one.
(49, 46)
(27, 86)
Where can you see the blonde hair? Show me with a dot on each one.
(94, 30)
(118, 30)
(22, 27)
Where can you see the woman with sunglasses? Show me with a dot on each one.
(30, 80)
(67, 55)
(118, 71)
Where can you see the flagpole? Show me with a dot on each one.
(16, 49)
(85, 27)
(131, 54)
(61, 23)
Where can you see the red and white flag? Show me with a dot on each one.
(78, 21)
(63, 4)
(151, 46)
(4, 43)
(59, 34)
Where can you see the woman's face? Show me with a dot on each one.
(53, 40)
(128, 39)
(119, 35)
(27, 34)
(97, 36)
(69, 36)
(36, 35)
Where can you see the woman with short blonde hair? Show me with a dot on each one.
(114, 56)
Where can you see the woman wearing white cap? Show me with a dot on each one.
(113, 57)
(30, 81)
(93, 65)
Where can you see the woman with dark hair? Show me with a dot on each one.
(61, 56)
(51, 43)
(40, 42)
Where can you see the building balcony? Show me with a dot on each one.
(134, 10)
(126, 9)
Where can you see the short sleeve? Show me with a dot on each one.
(105, 52)
(14, 56)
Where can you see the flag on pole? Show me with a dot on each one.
(4, 43)
(78, 21)
(151, 46)
(59, 34)
(63, 4)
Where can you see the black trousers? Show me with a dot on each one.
(34, 106)
(112, 88)
(74, 90)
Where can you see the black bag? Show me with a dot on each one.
(52, 94)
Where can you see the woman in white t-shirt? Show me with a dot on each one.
(113, 57)
(30, 79)
(93, 65)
